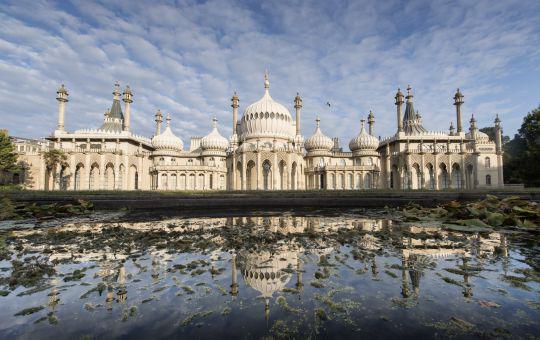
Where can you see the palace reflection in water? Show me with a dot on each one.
(257, 267)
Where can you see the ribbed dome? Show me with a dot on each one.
(364, 141)
(214, 140)
(263, 271)
(167, 139)
(266, 118)
(318, 141)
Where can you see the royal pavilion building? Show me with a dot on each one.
(266, 151)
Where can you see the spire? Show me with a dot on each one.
(266, 81)
(214, 122)
(116, 91)
(409, 94)
(318, 120)
(362, 122)
(168, 120)
(411, 119)
(115, 119)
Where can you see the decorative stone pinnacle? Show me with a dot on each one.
(168, 119)
(214, 122)
(318, 120)
(266, 81)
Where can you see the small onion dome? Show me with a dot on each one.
(364, 141)
(318, 141)
(167, 139)
(214, 140)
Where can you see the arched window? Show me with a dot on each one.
(163, 184)
(488, 179)
(161, 161)
(487, 162)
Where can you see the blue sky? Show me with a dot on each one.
(187, 57)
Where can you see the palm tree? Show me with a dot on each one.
(54, 159)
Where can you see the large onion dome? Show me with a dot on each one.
(318, 141)
(214, 140)
(364, 141)
(167, 140)
(267, 118)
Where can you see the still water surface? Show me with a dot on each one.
(363, 274)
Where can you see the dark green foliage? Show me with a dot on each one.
(8, 157)
(54, 158)
(522, 153)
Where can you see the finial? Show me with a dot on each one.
(214, 122)
(497, 120)
(409, 89)
(266, 81)
(158, 114)
(168, 120)
(362, 121)
(116, 91)
(318, 120)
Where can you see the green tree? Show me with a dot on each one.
(8, 157)
(522, 153)
(54, 159)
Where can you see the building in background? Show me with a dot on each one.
(266, 151)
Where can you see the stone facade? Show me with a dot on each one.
(265, 152)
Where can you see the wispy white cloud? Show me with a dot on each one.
(186, 58)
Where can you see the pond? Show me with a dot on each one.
(282, 275)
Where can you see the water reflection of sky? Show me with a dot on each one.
(273, 275)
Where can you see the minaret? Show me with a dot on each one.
(159, 119)
(298, 107)
(371, 121)
(498, 134)
(399, 102)
(473, 127)
(498, 145)
(62, 97)
(458, 100)
(234, 106)
(234, 284)
(127, 102)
